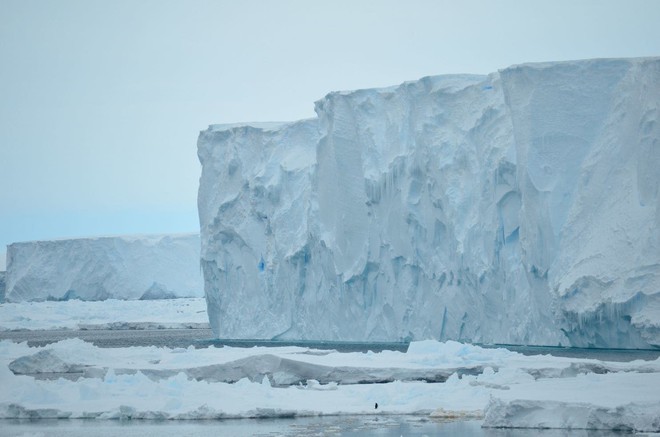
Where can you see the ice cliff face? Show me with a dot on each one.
(518, 207)
(148, 267)
(2, 286)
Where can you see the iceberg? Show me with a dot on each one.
(517, 207)
(90, 269)
(2, 286)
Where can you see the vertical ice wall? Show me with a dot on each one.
(2, 286)
(588, 147)
(126, 267)
(484, 208)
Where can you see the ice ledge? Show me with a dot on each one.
(262, 125)
(154, 238)
(616, 401)
(630, 417)
(580, 62)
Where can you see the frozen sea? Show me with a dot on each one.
(136, 368)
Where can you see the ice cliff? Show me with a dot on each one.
(2, 286)
(518, 207)
(147, 267)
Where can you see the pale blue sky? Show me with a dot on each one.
(101, 101)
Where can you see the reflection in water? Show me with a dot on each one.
(342, 426)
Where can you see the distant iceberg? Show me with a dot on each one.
(518, 207)
(124, 267)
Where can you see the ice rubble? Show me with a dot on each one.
(123, 267)
(510, 389)
(518, 207)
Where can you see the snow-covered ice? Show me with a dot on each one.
(122, 267)
(75, 379)
(621, 401)
(519, 207)
(108, 314)
(510, 389)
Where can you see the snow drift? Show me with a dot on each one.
(147, 267)
(518, 207)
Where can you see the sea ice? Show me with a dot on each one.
(108, 314)
(510, 389)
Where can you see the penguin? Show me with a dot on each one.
(376, 407)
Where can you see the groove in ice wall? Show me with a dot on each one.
(518, 207)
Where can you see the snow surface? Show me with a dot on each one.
(108, 314)
(73, 379)
(520, 207)
(123, 267)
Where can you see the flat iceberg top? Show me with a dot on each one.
(448, 82)
(443, 82)
(263, 125)
(127, 237)
(553, 64)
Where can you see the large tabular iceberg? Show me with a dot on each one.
(518, 207)
(139, 267)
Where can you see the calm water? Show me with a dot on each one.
(199, 338)
(577, 352)
(115, 338)
(203, 338)
(344, 426)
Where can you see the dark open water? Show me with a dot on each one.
(201, 338)
(343, 426)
